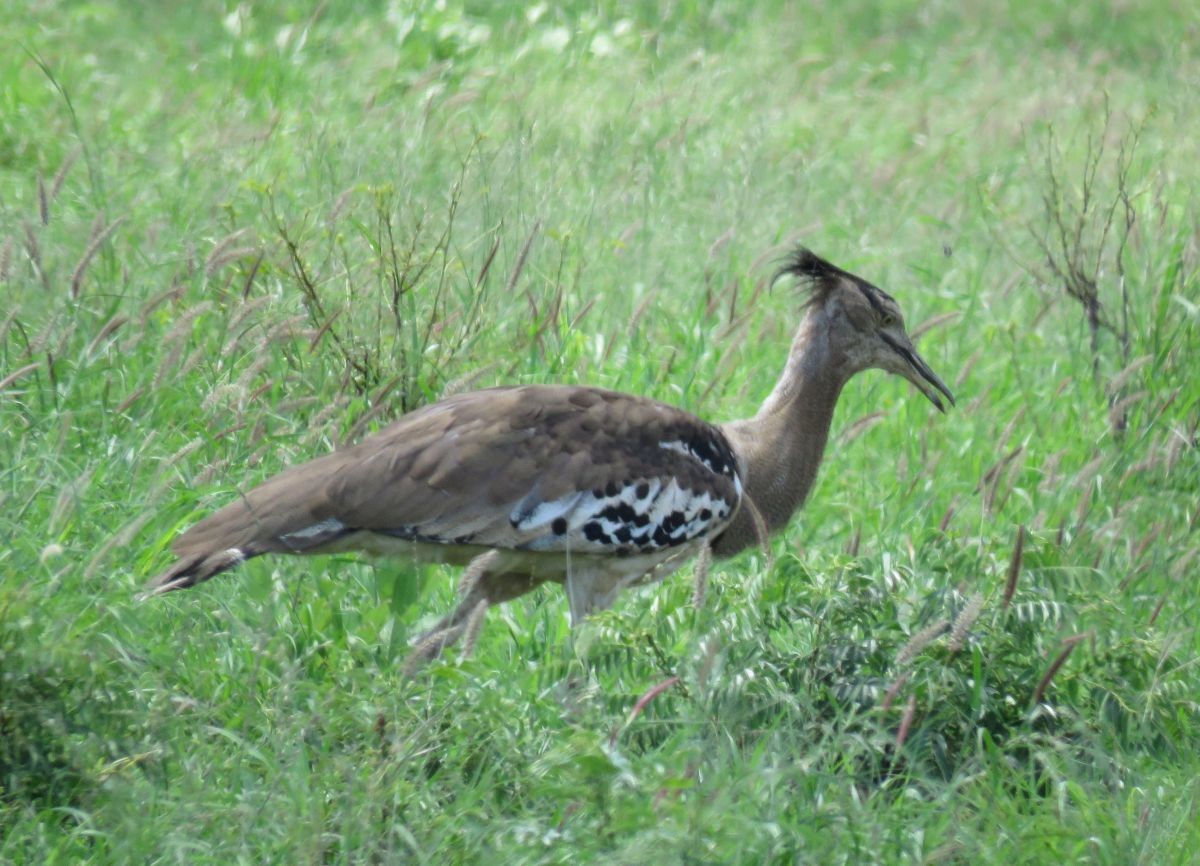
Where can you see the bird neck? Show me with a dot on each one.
(781, 447)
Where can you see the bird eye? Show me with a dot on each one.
(887, 320)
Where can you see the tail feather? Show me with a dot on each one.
(191, 570)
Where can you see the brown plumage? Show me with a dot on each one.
(588, 487)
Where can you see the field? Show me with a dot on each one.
(235, 236)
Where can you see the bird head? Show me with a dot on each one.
(865, 323)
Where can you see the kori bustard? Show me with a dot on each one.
(583, 486)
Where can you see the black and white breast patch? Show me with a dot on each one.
(641, 516)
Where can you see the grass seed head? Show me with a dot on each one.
(1014, 567)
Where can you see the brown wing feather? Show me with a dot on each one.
(463, 469)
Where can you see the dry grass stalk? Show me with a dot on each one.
(214, 263)
(1119, 381)
(963, 622)
(60, 176)
(183, 325)
(249, 375)
(641, 704)
(476, 569)
(339, 205)
(521, 259)
(98, 239)
(906, 720)
(1158, 608)
(169, 363)
(855, 542)
(172, 294)
(18, 374)
(288, 329)
(993, 471)
(248, 283)
(967, 368)
(325, 328)
(474, 626)
(192, 361)
(919, 641)
(1068, 646)
(67, 499)
(1085, 504)
(184, 452)
(43, 201)
(1002, 442)
(6, 258)
(1181, 565)
(1014, 568)
(289, 407)
(999, 475)
(40, 343)
(721, 242)
(130, 400)
(1009, 480)
(211, 471)
(7, 324)
(1049, 470)
(120, 539)
(944, 523)
(1151, 535)
(243, 312)
(487, 261)
(861, 426)
(700, 590)
(889, 697)
(1116, 414)
(34, 251)
(583, 311)
(1164, 404)
(467, 381)
(316, 424)
(221, 396)
(1087, 474)
(214, 259)
(934, 322)
(640, 310)
(430, 648)
(110, 327)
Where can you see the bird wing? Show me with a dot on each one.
(542, 468)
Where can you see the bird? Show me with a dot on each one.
(594, 489)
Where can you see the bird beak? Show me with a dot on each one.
(915, 370)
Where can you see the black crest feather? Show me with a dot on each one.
(821, 277)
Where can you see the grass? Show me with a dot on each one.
(233, 237)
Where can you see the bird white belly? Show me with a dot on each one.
(540, 565)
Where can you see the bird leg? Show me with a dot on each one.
(761, 533)
(590, 590)
(703, 562)
(430, 646)
(479, 589)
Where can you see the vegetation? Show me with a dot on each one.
(235, 236)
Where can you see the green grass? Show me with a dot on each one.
(231, 238)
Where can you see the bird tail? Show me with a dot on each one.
(197, 568)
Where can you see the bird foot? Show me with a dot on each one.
(430, 646)
(441, 637)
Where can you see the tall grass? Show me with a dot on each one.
(232, 238)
